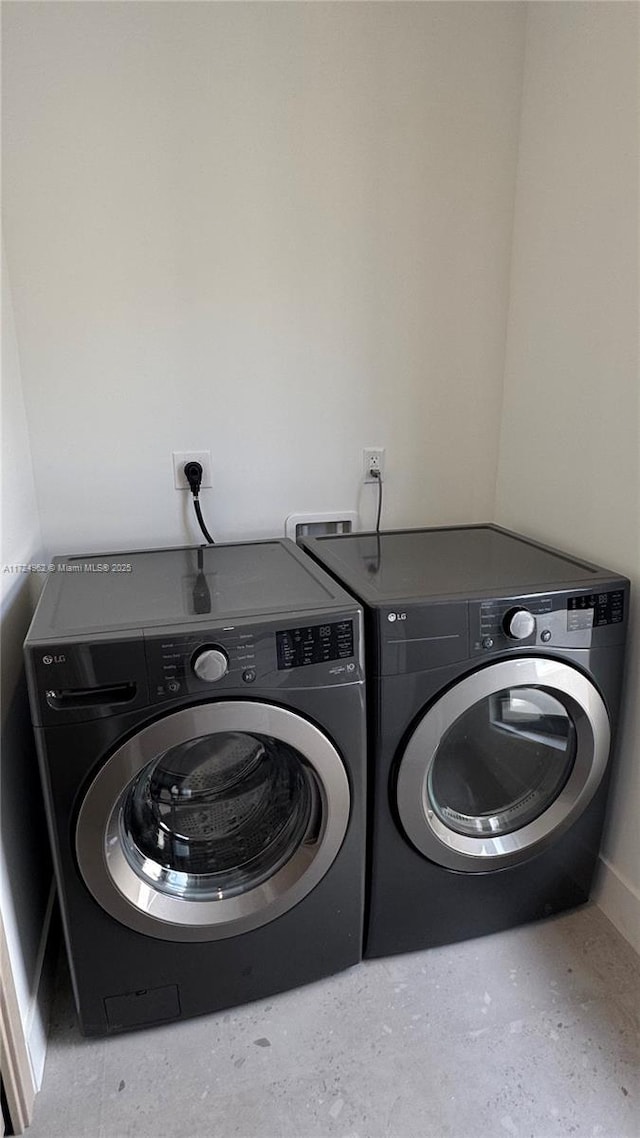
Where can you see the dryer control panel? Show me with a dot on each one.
(563, 620)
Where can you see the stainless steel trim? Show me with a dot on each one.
(428, 832)
(118, 889)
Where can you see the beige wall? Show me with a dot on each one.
(568, 468)
(278, 231)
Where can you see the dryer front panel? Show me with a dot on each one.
(502, 764)
(213, 821)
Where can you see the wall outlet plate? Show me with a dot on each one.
(181, 457)
(372, 459)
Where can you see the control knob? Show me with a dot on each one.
(519, 624)
(210, 664)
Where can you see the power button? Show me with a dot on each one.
(249, 675)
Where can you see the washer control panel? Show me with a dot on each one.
(200, 661)
(210, 664)
(314, 644)
(188, 663)
(563, 620)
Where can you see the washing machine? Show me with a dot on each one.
(494, 676)
(200, 723)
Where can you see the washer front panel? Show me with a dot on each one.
(128, 893)
(425, 823)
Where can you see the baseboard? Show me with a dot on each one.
(619, 901)
(37, 1022)
(15, 1065)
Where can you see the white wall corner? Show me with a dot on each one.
(619, 901)
(511, 267)
(26, 896)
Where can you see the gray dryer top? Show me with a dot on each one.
(459, 561)
(112, 592)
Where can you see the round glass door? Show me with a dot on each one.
(219, 815)
(502, 764)
(213, 821)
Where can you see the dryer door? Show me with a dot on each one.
(502, 764)
(213, 821)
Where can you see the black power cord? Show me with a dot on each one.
(193, 475)
(378, 477)
(373, 562)
(201, 594)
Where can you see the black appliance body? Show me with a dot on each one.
(494, 674)
(200, 723)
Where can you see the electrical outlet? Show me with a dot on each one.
(181, 457)
(372, 459)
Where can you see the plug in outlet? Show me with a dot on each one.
(372, 459)
(181, 457)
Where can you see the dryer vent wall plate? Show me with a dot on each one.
(297, 526)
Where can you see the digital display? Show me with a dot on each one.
(314, 644)
(593, 610)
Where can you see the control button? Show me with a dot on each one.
(487, 642)
(249, 675)
(210, 664)
(519, 624)
(545, 636)
(173, 686)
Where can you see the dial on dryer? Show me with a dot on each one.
(519, 624)
(210, 664)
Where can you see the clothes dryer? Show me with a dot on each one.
(495, 668)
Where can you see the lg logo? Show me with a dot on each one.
(53, 659)
(397, 616)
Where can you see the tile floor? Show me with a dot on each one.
(532, 1033)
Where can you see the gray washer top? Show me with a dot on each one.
(162, 587)
(458, 561)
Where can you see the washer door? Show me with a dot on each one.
(213, 821)
(502, 764)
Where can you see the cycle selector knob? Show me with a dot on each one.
(519, 624)
(210, 664)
